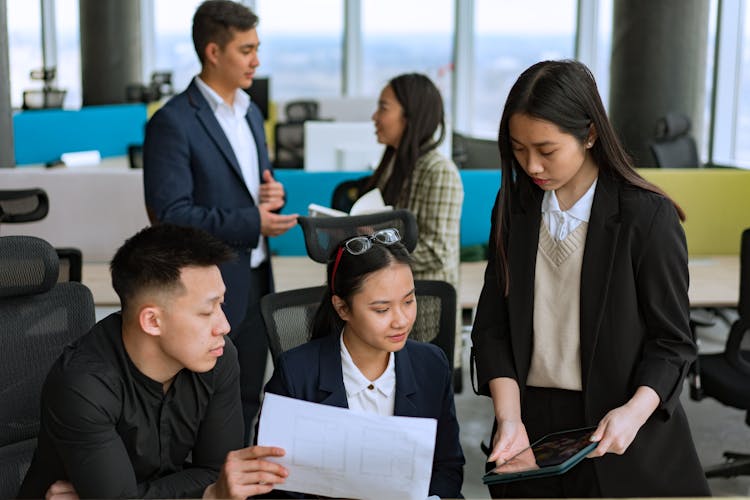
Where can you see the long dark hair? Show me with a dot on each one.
(351, 272)
(563, 93)
(424, 115)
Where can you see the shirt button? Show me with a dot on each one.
(371, 387)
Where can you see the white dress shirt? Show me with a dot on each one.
(237, 130)
(561, 223)
(377, 396)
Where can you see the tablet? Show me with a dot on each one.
(551, 455)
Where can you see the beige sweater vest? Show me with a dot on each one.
(556, 357)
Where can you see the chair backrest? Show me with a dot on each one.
(743, 307)
(289, 145)
(322, 234)
(674, 146)
(301, 111)
(39, 316)
(23, 205)
(475, 153)
(289, 316)
(734, 353)
(347, 192)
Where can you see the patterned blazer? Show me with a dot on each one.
(436, 197)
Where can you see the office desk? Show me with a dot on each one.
(714, 280)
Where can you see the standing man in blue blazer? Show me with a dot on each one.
(206, 165)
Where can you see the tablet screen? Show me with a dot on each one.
(552, 453)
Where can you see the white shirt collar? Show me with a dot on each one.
(355, 382)
(241, 98)
(581, 210)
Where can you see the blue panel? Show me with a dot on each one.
(43, 135)
(480, 191)
(303, 188)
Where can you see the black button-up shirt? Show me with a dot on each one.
(113, 432)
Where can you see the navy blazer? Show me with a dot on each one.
(191, 177)
(312, 372)
(634, 327)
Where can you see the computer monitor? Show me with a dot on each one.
(259, 94)
(341, 146)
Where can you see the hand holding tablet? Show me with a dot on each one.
(551, 455)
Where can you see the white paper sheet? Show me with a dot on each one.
(338, 452)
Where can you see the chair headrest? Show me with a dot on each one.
(323, 234)
(28, 265)
(672, 126)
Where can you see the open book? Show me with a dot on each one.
(371, 201)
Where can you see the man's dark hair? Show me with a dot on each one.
(217, 21)
(155, 256)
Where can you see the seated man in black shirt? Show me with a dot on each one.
(147, 404)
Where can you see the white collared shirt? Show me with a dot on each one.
(377, 396)
(561, 223)
(237, 130)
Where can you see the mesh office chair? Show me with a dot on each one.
(475, 153)
(23, 205)
(322, 234)
(29, 205)
(725, 376)
(347, 192)
(674, 146)
(289, 136)
(288, 315)
(39, 317)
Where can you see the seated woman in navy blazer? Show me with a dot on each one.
(360, 356)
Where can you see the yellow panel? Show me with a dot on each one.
(716, 202)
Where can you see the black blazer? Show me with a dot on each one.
(634, 321)
(191, 177)
(312, 372)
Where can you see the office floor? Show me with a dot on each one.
(715, 428)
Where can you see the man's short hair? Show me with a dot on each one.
(217, 20)
(154, 258)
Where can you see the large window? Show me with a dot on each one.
(25, 47)
(68, 51)
(173, 40)
(301, 47)
(509, 37)
(742, 132)
(406, 36)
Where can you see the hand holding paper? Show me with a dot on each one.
(342, 453)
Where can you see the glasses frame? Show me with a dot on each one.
(386, 236)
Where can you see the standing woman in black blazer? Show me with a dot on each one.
(583, 318)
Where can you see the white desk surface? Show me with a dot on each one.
(714, 280)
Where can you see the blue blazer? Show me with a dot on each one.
(191, 177)
(312, 372)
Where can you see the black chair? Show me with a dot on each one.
(39, 316)
(475, 153)
(322, 234)
(289, 316)
(23, 205)
(301, 111)
(289, 145)
(289, 136)
(30, 205)
(673, 145)
(347, 192)
(725, 376)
